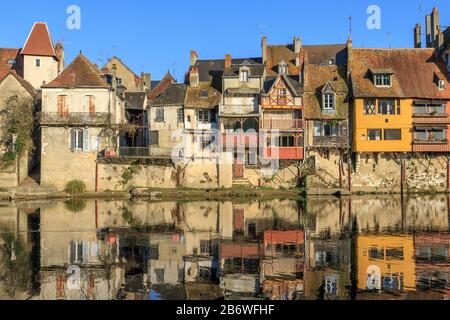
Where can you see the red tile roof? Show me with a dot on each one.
(39, 42)
(81, 73)
(6, 56)
(415, 73)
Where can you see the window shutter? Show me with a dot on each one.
(85, 140)
(72, 139)
(85, 252)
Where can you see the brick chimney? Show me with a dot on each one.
(297, 44)
(145, 83)
(264, 49)
(228, 61)
(194, 57)
(59, 49)
(435, 26)
(418, 36)
(194, 77)
(114, 77)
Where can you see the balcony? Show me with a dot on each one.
(432, 146)
(240, 139)
(284, 153)
(287, 125)
(331, 142)
(432, 118)
(243, 110)
(75, 118)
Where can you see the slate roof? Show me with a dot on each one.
(292, 81)
(7, 55)
(81, 73)
(39, 42)
(317, 55)
(317, 77)
(135, 100)
(174, 95)
(256, 70)
(415, 73)
(194, 100)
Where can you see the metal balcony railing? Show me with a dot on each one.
(75, 118)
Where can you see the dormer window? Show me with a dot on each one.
(382, 80)
(244, 75)
(441, 85)
(282, 68)
(204, 93)
(328, 101)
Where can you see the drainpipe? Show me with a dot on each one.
(96, 173)
(448, 174)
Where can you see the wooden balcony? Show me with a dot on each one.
(431, 118)
(240, 139)
(75, 118)
(287, 125)
(424, 146)
(285, 153)
(331, 142)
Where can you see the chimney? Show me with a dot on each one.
(145, 82)
(114, 77)
(440, 38)
(349, 52)
(194, 77)
(194, 57)
(264, 49)
(297, 44)
(60, 55)
(429, 41)
(418, 36)
(228, 61)
(435, 27)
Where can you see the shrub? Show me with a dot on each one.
(76, 187)
(75, 205)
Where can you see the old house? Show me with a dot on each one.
(240, 110)
(125, 76)
(77, 111)
(201, 107)
(282, 107)
(166, 119)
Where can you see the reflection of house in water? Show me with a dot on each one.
(386, 264)
(282, 270)
(433, 265)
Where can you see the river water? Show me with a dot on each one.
(377, 247)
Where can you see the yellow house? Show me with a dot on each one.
(390, 87)
(386, 263)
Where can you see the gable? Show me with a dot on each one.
(12, 86)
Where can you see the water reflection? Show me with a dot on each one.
(323, 248)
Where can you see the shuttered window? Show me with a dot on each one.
(79, 140)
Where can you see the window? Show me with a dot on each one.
(287, 141)
(430, 134)
(374, 134)
(38, 63)
(282, 68)
(394, 254)
(119, 81)
(79, 140)
(61, 102)
(392, 134)
(376, 254)
(159, 276)
(382, 80)
(204, 116)
(89, 104)
(386, 107)
(328, 101)
(205, 247)
(78, 252)
(159, 115)
(244, 75)
(326, 129)
(369, 106)
(12, 62)
(181, 115)
(204, 93)
(442, 85)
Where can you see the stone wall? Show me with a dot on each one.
(322, 170)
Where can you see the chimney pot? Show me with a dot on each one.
(194, 77)
(194, 57)
(228, 61)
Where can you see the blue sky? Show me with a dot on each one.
(157, 36)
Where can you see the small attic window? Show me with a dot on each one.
(204, 93)
(441, 85)
(244, 75)
(12, 62)
(382, 80)
(282, 68)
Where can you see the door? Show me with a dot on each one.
(238, 167)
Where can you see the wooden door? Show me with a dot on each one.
(238, 168)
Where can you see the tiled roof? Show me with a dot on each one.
(25, 84)
(81, 73)
(6, 56)
(195, 100)
(160, 87)
(292, 81)
(317, 77)
(174, 95)
(39, 42)
(415, 73)
(317, 55)
(135, 100)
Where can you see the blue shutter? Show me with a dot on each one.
(85, 140)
